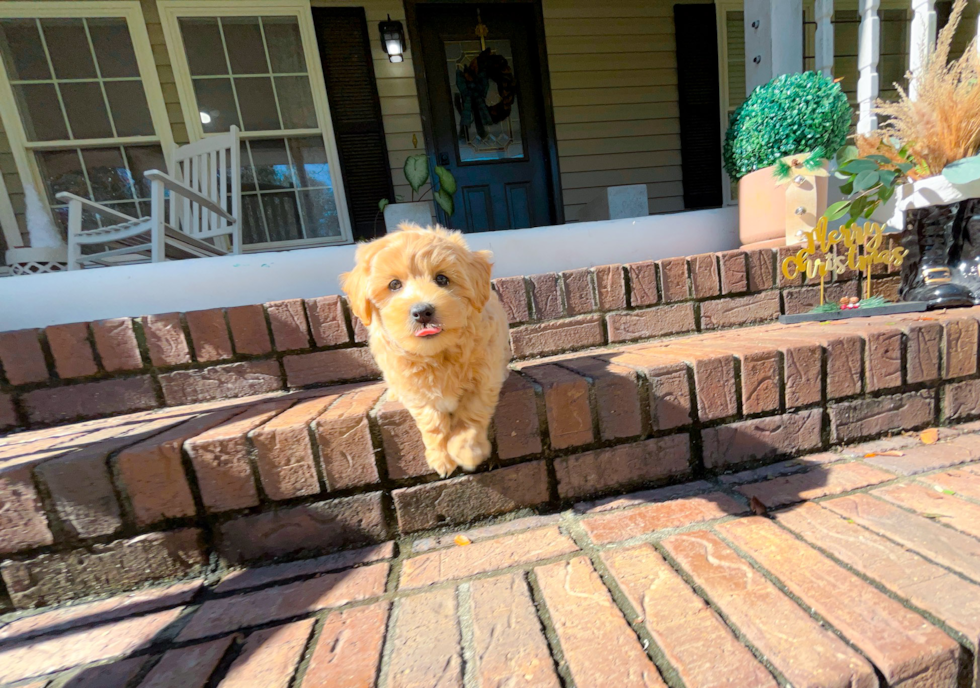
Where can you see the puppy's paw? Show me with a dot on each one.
(441, 462)
(469, 448)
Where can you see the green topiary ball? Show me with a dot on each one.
(793, 113)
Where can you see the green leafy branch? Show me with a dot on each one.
(417, 173)
(870, 181)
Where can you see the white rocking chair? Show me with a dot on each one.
(204, 217)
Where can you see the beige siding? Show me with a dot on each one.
(165, 71)
(614, 86)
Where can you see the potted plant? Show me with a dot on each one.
(419, 211)
(925, 155)
(777, 140)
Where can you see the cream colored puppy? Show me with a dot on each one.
(439, 335)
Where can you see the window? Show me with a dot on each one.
(254, 71)
(85, 114)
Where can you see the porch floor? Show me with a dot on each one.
(862, 567)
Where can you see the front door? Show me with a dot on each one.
(486, 109)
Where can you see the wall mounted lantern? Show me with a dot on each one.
(393, 39)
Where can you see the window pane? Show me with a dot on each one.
(202, 41)
(285, 44)
(86, 111)
(319, 213)
(258, 103)
(107, 174)
(248, 173)
(129, 111)
(62, 171)
(40, 112)
(142, 159)
(217, 104)
(126, 208)
(244, 41)
(253, 231)
(296, 102)
(113, 48)
(20, 45)
(282, 216)
(272, 169)
(310, 159)
(69, 49)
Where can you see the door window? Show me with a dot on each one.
(484, 92)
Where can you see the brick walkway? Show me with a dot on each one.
(866, 572)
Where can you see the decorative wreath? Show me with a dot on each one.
(473, 83)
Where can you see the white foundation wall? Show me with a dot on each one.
(188, 285)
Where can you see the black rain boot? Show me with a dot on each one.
(930, 238)
(966, 248)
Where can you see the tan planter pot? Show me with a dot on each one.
(767, 210)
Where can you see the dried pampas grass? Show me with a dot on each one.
(943, 123)
(873, 144)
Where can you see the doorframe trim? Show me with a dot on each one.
(418, 63)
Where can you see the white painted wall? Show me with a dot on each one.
(187, 285)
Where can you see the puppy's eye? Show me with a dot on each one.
(394, 285)
(442, 280)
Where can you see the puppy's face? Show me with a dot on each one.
(422, 286)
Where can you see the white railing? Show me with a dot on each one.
(869, 50)
(824, 39)
(922, 40)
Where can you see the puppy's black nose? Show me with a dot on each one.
(423, 313)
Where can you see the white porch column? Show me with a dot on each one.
(869, 48)
(824, 39)
(773, 40)
(922, 39)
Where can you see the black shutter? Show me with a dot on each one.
(355, 110)
(699, 106)
(943, 9)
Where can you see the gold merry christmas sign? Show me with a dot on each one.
(863, 249)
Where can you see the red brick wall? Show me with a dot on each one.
(88, 370)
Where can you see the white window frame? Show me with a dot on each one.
(23, 149)
(8, 220)
(170, 13)
(722, 7)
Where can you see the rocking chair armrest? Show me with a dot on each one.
(94, 207)
(158, 177)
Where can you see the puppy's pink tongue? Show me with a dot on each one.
(428, 331)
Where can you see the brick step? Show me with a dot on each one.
(85, 370)
(160, 493)
(863, 570)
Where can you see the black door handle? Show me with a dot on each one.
(444, 159)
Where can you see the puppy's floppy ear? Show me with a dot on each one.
(355, 283)
(479, 275)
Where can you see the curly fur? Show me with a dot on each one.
(449, 382)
